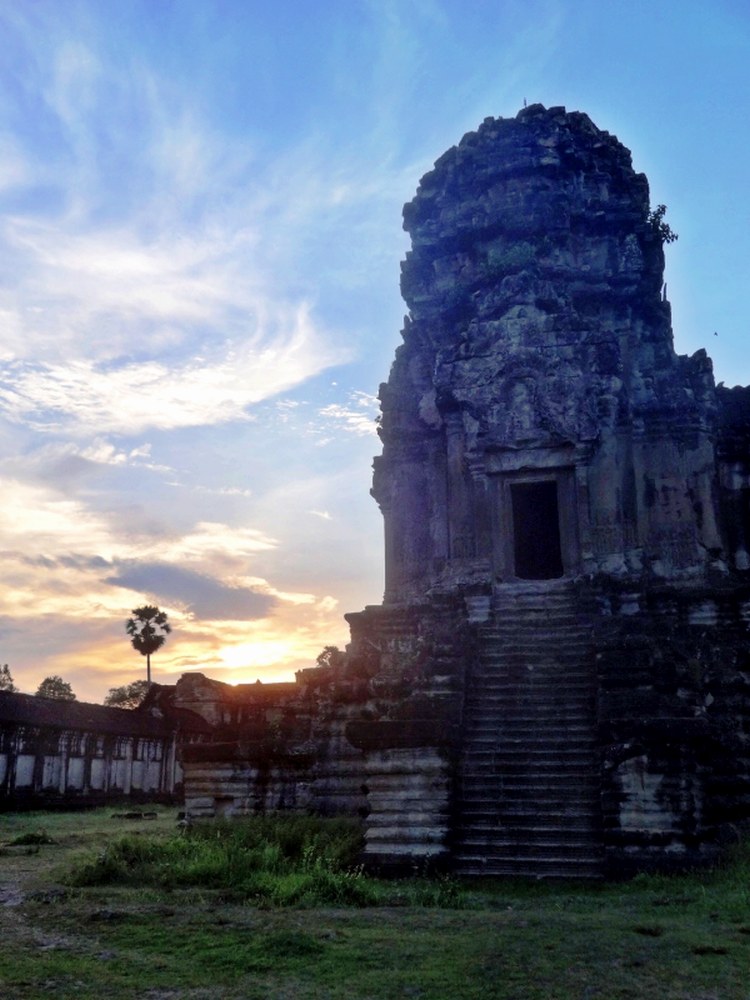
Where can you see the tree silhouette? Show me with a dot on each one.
(6, 679)
(148, 630)
(662, 229)
(329, 656)
(55, 687)
(127, 696)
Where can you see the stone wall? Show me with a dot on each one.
(59, 753)
(674, 723)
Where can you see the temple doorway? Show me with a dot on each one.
(537, 551)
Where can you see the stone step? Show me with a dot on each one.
(509, 719)
(537, 640)
(512, 826)
(586, 856)
(569, 730)
(504, 707)
(498, 638)
(529, 732)
(559, 749)
(548, 656)
(504, 693)
(562, 797)
(507, 773)
(534, 738)
(544, 659)
(529, 786)
(530, 824)
(504, 687)
(480, 750)
(507, 710)
(496, 732)
(555, 791)
(520, 814)
(502, 764)
(531, 682)
(524, 624)
(572, 848)
(535, 699)
(483, 749)
(529, 685)
(485, 828)
(502, 613)
(548, 652)
(538, 869)
(505, 615)
(535, 672)
(551, 666)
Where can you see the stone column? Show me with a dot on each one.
(481, 504)
(459, 493)
(63, 751)
(127, 778)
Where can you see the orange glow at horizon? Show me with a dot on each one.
(94, 669)
(66, 614)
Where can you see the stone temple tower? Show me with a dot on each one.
(537, 424)
(557, 682)
(554, 483)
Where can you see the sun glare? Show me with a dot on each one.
(252, 655)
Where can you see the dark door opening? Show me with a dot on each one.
(745, 515)
(536, 531)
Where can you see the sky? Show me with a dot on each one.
(200, 240)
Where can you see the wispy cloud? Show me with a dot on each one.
(357, 416)
(164, 297)
(83, 397)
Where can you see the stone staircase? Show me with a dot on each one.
(528, 799)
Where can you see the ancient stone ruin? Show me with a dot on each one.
(557, 682)
(56, 753)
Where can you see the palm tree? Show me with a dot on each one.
(148, 630)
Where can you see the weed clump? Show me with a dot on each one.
(272, 860)
(30, 840)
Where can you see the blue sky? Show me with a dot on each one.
(200, 228)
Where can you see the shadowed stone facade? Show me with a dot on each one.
(556, 682)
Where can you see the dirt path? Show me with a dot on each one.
(19, 883)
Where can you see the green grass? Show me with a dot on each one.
(164, 938)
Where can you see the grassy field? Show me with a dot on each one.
(116, 908)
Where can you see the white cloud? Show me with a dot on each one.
(358, 416)
(39, 521)
(210, 539)
(83, 397)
